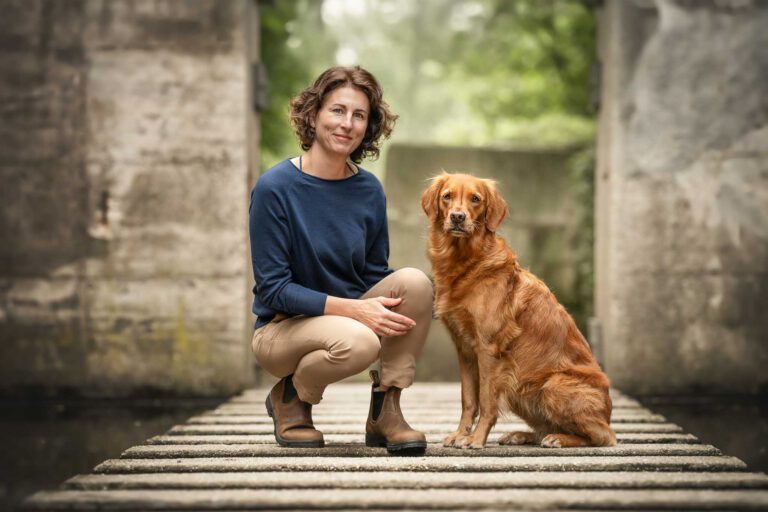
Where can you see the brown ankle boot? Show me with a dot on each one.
(386, 425)
(292, 417)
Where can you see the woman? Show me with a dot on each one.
(328, 305)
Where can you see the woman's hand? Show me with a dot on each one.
(374, 313)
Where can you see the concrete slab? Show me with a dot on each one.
(231, 461)
(424, 417)
(431, 499)
(421, 480)
(302, 462)
(359, 427)
(433, 450)
(636, 438)
(228, 409)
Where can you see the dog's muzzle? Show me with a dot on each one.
(457, 223)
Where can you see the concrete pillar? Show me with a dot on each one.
(124, 188)
(682, 184)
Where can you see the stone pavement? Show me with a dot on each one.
(227, 459)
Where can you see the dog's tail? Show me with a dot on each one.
(601, 434)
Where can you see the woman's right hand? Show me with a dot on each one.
(375, 313)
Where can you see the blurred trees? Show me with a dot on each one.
(540, 54)
(524, 68)
(457, 71)
(287, 72)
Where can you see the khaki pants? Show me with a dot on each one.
(320, 350)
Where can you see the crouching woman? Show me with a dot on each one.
(327, 303)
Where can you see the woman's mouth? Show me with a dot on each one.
(342, 138)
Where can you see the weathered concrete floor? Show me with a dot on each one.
(227, 459)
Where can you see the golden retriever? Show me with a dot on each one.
(517, 346)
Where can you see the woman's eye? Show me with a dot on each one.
(475, 199)
(360, 116)
(336, 110)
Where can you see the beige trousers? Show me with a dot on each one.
(321, 350)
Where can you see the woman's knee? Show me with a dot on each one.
(261, 351)
(357, 344)
(417, 285)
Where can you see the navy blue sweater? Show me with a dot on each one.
(311, 238)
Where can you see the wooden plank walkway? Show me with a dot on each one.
(227, 459)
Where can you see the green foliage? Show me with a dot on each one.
(582, 171)
(543, 131)
(536, 54)
(472, 72)
(525, 60)
(287, 74)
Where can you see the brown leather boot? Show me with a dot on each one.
(386, 425)
(292, 417)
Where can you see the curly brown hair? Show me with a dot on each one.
(305, 107)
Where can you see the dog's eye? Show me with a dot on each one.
(447, 196)
(475, 198)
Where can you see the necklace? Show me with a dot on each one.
(351, 169)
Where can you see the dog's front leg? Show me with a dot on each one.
(488, 403)
(468, 373)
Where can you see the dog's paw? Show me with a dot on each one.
(453, 440)
(552, 441)
(470, 443)
(517, 438)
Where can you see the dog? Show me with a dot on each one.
(518, 347)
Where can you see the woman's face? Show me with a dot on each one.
(341, 122)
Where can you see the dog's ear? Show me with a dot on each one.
(497, 207)
(430, 198)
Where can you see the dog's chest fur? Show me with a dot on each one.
(469, 320)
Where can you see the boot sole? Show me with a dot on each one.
(406, 448)
(284, 442)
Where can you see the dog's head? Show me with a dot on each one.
(462, 205)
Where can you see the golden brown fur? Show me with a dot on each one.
(517, 345)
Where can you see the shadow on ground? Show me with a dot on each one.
(738, 425)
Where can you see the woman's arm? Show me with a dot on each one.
(377, 249)
(271, 254)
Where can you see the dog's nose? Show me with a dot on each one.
(458, 217)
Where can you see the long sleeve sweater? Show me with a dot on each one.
(311, 238)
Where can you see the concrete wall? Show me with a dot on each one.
(541, 226)
(123, 240)
(682, 180)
